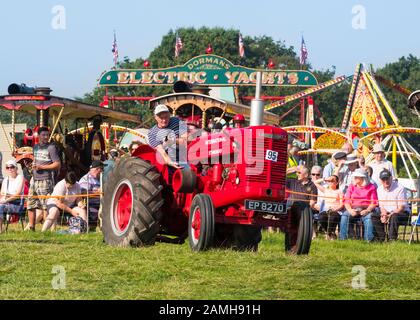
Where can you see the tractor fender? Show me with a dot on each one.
(150, 155)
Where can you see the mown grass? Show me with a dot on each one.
(166, 271)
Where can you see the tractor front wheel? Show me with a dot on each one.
(201, 223)
(131, 206)
(304, 232)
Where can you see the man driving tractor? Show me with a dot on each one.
(169, 137)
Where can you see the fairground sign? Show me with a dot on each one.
(207, 70)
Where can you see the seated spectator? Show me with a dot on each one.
(360, 200)
(299, 201)
(302, 185)
(392, 205)
(316, 173)
(11, 191)
(369, 172)
(345, 171)
(379, 163)
(335, 160)
(110, 164)
(66, 189)
(90, 183)
(331, 205)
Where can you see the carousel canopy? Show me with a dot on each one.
(72, 109)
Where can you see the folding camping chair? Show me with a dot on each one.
(414, 229)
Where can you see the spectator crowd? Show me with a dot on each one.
(348, 198)
(50, 198)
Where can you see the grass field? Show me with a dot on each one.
(94, 270)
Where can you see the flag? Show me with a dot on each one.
(178, 45)
(115, 50)
(303, 53)
(241, 47)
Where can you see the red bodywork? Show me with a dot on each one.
(231, 167)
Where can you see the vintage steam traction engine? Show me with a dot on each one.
(234, 186)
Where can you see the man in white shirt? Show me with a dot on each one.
(392, 205)
(68, 193)
(380, 163)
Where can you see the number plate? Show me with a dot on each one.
(271, 155)
(265, 206)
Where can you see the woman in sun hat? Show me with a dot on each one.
(11, 191)
(360, 200)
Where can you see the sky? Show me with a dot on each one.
(38, 50)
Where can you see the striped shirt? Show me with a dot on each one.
(90, 184)
(157, 136)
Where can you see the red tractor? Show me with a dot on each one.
(234, 186)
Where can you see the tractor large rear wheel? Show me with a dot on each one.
(131, 205)
(304, 236)
(201, 223)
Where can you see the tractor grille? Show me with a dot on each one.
(272, 172)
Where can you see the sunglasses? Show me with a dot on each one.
(10, 168)
(316, 174)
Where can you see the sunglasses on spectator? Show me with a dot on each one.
(316, 174)
(10, 168)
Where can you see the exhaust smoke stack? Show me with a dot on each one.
(46, 91)
(257, 104)
(182, 86)
(15, 88)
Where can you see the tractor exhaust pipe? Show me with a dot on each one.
(257, 104)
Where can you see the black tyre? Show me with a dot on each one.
(131, 205)
(201, 223)
(246, 238)
(304, 236)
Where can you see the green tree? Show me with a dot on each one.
(259, 50)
